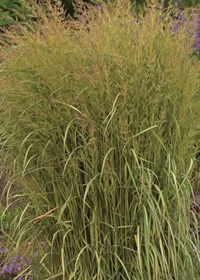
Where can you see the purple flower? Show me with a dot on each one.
(180, 16)
(196, 17)
(14, 271)
(176, 27)
(14, 266)
(6, 269)
(36, 254)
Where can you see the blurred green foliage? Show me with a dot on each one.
(7, 216)
(12, 11)
(69, 5)
(186, 3)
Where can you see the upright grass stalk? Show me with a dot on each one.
(99, 122)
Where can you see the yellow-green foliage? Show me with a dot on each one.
(100, 120)
(124, 76)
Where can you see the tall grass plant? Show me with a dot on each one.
(99, 123)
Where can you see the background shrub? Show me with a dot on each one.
(7, 216)
(99, 125)
(12, 11)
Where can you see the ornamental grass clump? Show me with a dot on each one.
(99, 119)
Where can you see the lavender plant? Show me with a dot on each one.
(13, 267)
(181, 17)
(196, 16)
